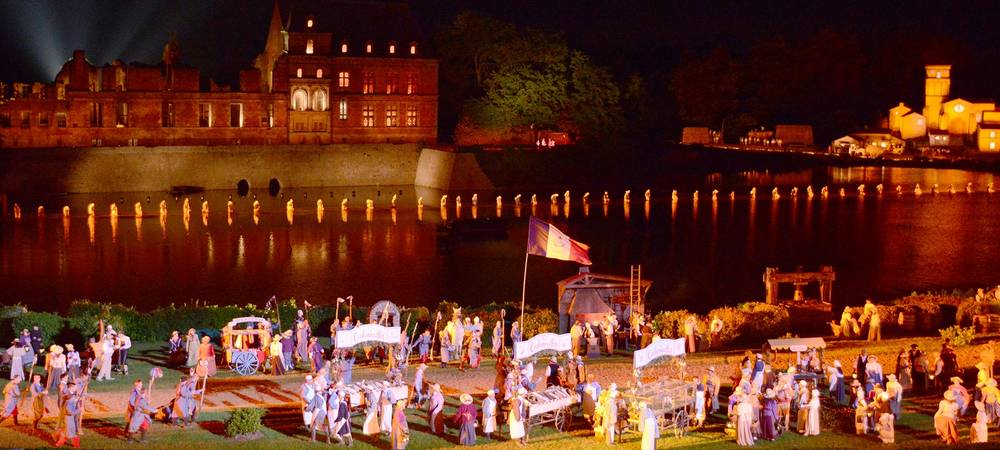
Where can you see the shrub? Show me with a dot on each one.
(670, 324)
(960, 336)
(244, 421)
(50, 324)
(538, 322)
(751, 321)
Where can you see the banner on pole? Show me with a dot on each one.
(658, 349)
(367, 333)
(543, 342)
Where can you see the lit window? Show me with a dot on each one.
(959, 108)
(309, 47)
(343, 47)
(43, 119)
(205, 115)
(937, 74)
(121, 116)
(391, 116)
(368, 47)
(392, 48)
(300, 99)
(391, 83)
(411, 116)
(319, 102)
(298, 73)
(343, 109)
(319, 73)
(309, 23)
(993, 134)
(993, 145)
(368, 83)
(344, 79)
(413, 48)
(236, 115)
(368, 116)
(60, 120)
(411, 83)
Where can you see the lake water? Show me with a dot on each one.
(698, 254)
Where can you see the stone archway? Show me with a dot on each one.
(273, 187)
(243, 187)
(384, 312)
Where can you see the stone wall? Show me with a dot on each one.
(126, 169)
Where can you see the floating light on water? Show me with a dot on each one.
(163, 207)
(204, 207)
(917, 190)
(586, 198)
(648, 194)
(65, 211)
(968, 188)
(475, 199)
(41, 211)
(628, 196)
(753, 192)
(393, 201)
(989, 190)
(554, 199)
(138, 209)
(17, 211)
(517, 200)
(606, 199)
(343, 204)
(566, 196)
(186, 208)
(861, 189)
(878, 188)
(534, 200)
(444, 200)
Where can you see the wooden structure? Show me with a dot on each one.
(589, 297)
(773, 279)
(553, 405)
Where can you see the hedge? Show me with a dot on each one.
(244, 421)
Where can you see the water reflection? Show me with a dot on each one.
(880, 246)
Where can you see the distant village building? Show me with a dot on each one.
(699, 135)
(943, 122)
(346, 72)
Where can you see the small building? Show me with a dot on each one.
(589, 297)
(896, 114)
(870, 143)
(988, 135)
(912, 125)
(696, 135)
(794, 134)
(845, 145)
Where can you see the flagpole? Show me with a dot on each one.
(524, 283)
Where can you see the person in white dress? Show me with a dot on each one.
(490, 413)
(744, 422)
(16, 353)
(979, 431)
(649, 427)
(107, 347)
(515, 418)
(812, 423)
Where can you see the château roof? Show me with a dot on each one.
(359, 21)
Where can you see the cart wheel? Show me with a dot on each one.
(681, 423)
(563, 419)
(246, 363)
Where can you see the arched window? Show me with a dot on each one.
(298, 73)
(319, 100)
(413, 48)
(343, 109)
(319, 73)
(309, 47)
(300, 100)
(309, 23)
(343, 47)
(392, 48)
(368, 47)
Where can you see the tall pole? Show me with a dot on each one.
(524, 283)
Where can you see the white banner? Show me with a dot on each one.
(658, 349)
(367, 333)
(543, 342)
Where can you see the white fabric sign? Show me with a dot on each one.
(367, 333)
(543, 342)
(658, 349)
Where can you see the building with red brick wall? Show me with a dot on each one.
(335, 71)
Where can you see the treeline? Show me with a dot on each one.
(497, 76)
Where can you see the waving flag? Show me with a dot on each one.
(546, 240)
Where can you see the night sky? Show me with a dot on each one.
(222, 36)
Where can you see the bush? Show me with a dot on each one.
(670, 324)
(751, 321)
(538, 322)
(960, 336)
(244, 421)
(50, 324)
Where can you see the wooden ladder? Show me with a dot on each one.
(635, 286)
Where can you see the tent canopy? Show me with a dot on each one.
(796, 344)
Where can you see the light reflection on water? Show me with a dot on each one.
(699, 253)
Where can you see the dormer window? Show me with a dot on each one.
(319, 73)
(413, 48)
(343, 47)
(368, 47)
(309, 47)
(309, 23)
(298, 73)
(392, 48)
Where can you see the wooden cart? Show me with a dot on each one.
(672, 401)
(553, 405)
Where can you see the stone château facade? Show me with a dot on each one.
(333, 71)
